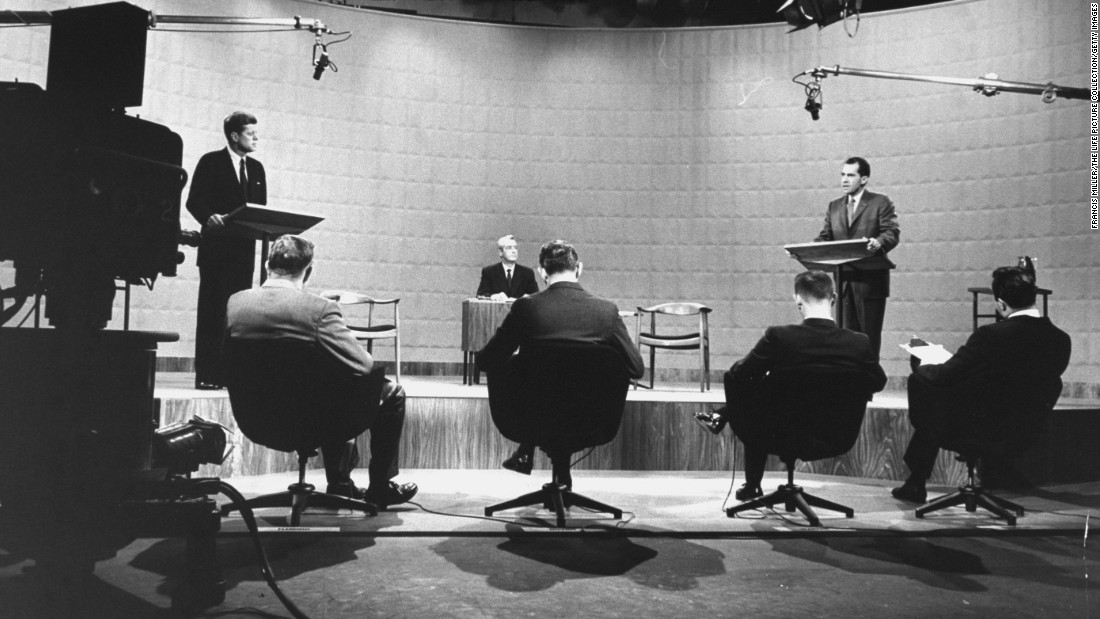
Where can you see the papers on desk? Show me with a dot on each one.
(931, 354)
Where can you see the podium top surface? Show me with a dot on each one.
(258, 222)
(827, 254)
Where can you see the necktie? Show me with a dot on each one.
(508, 278)
(244, 180)
(851, 209)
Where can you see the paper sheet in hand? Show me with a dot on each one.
(928, 354)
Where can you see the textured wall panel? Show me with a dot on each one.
(678, 161)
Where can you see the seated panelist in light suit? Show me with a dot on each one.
(281, 309)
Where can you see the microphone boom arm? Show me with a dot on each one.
(985, 85)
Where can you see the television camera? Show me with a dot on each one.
(90, 195)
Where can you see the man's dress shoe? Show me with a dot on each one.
(520, 461)
(913, 493)
(390, 494)
(713, 421)
(348, 489)
(208, 386)
(745, 493)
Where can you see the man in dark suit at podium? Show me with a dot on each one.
(563, 312)
(855, 215)
(507, 279)
(223, 180)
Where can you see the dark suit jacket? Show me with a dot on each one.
(750, 400)
(278, 310)
(215, 189)
(563, 312)
(1003, 372)
(874, 219)
(1025, 348)
(816, 341)
(493, 281)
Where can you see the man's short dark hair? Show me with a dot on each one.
(815, 285)
(290, 255)
(558, 257)
(235, 122)
(1015, 286)
(863, 166)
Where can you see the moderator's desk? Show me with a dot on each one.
(480, 319)
(979, 290)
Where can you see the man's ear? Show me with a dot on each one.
(580, 267)
(542, 274)
(309, 271)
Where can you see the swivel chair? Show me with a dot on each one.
(561, 397)
(282, 393)
(1009, 416)
(806, 413)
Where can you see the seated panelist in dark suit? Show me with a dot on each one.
(563, 312)
(282, 309)
(223, 181)
(1023, 349)
(507, 279)
(862, 214)
(816, 341)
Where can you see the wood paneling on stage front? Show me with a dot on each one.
(458, 433)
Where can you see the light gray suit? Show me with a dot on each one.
(278, 310)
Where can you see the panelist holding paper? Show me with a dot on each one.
(507, 279)
(862, 214)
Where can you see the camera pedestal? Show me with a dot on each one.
(77, 417)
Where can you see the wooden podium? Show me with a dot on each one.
(263, 224)
(839, 257)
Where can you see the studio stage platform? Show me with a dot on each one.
(448, 427)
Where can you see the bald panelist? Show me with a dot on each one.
(507, 279)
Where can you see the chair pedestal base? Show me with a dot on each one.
(972, 496)
(558, 498)
(298, 497)
(792, 497)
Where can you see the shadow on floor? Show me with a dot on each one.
(528, 563)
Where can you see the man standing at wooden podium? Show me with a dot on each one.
(223, 180)
(855, 215)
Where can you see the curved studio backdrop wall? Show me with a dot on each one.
(678, 161)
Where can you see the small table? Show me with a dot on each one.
(480, 319)
(979, 290)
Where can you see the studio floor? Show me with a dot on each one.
(674, 554)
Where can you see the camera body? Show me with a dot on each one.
(88, 196)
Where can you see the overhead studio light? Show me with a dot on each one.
(805, 13)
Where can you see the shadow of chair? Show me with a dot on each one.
(375, 328)
(282, 392)
(1010, 415)
(669, 339)
(806, 413)
(561, 397)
